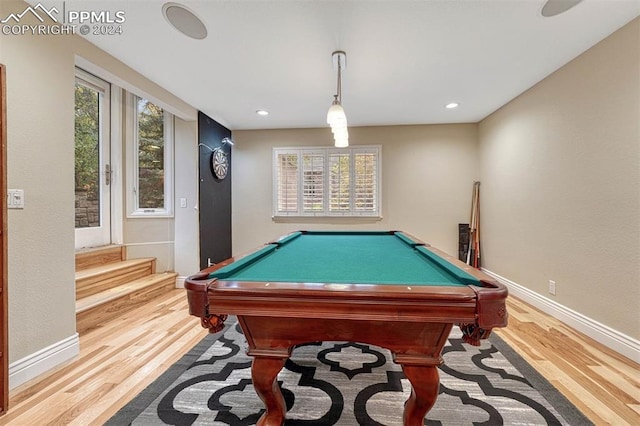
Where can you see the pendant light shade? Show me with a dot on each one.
(336, 115)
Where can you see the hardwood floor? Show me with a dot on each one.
(120, 358)
(605, 386)
(116, 362)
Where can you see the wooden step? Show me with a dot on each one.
(93, 310)
(96, 256)
(100, 278)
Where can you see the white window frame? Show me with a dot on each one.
(326, 153)
(133, 210)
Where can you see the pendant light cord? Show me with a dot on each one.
(339, 88)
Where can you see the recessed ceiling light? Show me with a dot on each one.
(556, 7)
(451, 105)
(184, 20)
(262, 112)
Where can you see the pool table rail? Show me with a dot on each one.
(321, 300)
(477, 309)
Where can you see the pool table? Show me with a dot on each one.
(385, 288)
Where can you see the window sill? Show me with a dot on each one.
(326, 219)
(150, 215)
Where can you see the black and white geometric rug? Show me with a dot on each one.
(340, 383)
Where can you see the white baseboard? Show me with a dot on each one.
(617, 341)
(42, 361)
(180, 282)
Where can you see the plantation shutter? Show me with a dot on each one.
(287, 183)
(366, 182)
(339, 182)
(324, 181)
(313, 182)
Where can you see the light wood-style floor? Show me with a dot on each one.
(604, 385)
(123, 356)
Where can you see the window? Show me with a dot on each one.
(327, 181)
(151, 159)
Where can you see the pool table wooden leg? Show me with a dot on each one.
(425, 384)
(264, 372)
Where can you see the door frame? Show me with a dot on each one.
(4, 332)
(102, 235)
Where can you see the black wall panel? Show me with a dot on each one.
(215, 194)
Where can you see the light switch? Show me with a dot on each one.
(183, 203)
(15, 198)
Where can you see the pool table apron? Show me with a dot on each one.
(477, 312)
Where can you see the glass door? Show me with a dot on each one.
(92, 161)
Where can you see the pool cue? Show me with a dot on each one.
(468, 257)
(472, 228)
(470, 248)
(477, 236)
(473, 231)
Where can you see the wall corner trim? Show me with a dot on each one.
(613, 339)
(44, 360)
(180, 282)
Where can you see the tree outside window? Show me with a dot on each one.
(87, 139)
(151, 149)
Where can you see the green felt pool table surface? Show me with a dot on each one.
(375, 257)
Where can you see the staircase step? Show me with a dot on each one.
(100, 278)
(96, 256)
(113, 302)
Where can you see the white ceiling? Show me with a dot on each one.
(405, 59)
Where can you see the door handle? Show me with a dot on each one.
(107, 174)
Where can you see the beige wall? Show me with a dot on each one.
(560, 172)
(40, 153)
(427, 178)
(40, 104)
(187, 219)
(153, 237)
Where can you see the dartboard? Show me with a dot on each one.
(219, 163)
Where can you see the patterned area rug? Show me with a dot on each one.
(341, 383)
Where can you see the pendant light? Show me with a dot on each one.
(336, 118)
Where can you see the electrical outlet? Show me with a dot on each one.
(552, 287)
